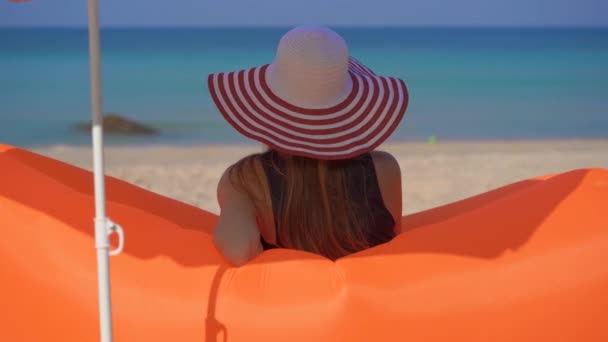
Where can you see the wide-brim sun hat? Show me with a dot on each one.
(314, 100)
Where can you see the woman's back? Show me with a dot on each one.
(353, 198)
(332, 208)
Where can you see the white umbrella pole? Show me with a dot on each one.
(101, 221)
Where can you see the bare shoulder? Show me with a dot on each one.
(229, 196)
(388, 172)
(386, 164)
(239, 181)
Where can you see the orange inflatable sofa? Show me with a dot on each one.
(525, 262)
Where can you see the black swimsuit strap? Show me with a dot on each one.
(271, 161)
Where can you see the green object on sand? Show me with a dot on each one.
(432, 139)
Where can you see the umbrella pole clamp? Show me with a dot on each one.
(104, 227)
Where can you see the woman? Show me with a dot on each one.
(320, 187)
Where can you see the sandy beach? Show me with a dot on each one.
(433, 174)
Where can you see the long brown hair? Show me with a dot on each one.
(317, 214)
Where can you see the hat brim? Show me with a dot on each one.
(358, 124)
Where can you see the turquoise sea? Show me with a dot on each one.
(464, 83)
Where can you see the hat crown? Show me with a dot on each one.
(311, 68)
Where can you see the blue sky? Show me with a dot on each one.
(327, 12)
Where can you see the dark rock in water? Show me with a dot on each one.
(117, 124)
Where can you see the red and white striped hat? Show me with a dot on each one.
(314, 100)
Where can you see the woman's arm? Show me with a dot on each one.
(236, 234)
(389, 178)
